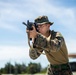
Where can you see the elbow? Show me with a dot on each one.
(33, 57)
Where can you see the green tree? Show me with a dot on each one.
(34, 68)
(18, 68)
(9, 68)
(23, 68)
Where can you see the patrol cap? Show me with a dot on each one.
(43, 20)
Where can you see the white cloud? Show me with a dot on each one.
(68, 18)
(13, 52)
(30, 9)
(10, 12)
(65, 16)
(19, 54)
(71, 45)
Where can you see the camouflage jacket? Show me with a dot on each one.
(53, 46)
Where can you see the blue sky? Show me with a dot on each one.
(13, 38)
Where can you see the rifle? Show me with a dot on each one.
(30, 24)
(29, 27)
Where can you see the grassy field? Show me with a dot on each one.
(74, 73)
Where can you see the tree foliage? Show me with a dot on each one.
(21, 68)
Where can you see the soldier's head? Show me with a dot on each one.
(43, 24)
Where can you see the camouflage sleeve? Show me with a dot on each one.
(51, 45)
(57, 42)
(36, 50)
(41, 43)
(34, 53)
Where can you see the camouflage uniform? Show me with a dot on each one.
(55, 50)
(54, 47)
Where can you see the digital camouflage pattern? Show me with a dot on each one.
(63, 69)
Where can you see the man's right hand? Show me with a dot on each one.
(32, 33)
